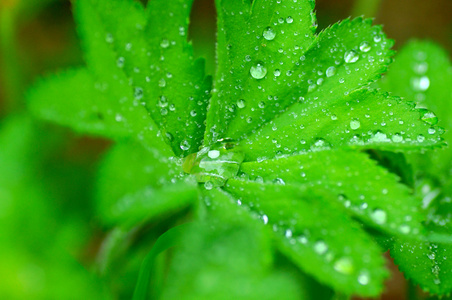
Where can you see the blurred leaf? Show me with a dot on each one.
(226, 260)
(136, 185)
(34, 238)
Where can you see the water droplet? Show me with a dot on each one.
(420, 84)
(109, 38)
(162, 82)
(164, 44)
(429, 117)
(289, 20)
(185, 145)
(363, 278)
(333, 117)
(120, 62)
(330, 71)
(261, 104)
(265, 219)
(397, 138)
(420, 138)
(208, 185)
(351, 56)
(431, 130)
(344, 265)
(378, 216)
(119, 118)
(193, 113)
(138, 93)
(288, 233)
(355, 124)
(365, 47)
(277, 72)
(213, 154)
(241, 103)
(258, 71)
(269, 34)
(431, 256)
(320, 247)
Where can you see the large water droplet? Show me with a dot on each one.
(241, 103)
(330, 71)
(351, 56)
(258, 71)
(320, 247)
(429, 117)
(269, 34)
(363, 278)
(378, 216)
(355, 124)
(185, 145)
(365, 47)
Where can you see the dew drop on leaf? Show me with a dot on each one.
(351, 56)
(208, 185)
(355, 124)
(138, 93)
(258, 71)
(330, 71)
(185, 145)
(363, 278)
(164, 44)
(320, 247)
(213, 154)
(365, 47)
(269, 34)
(397, 138)
(109, 38)
(120, 62)
(429, 117)
(241, 103)
(277, 72)
(289, 20)
(378, 216)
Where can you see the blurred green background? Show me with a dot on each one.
(49, 235)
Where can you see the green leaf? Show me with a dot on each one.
(34, 258)
(342, 50)
(179, 88)
(365, 190)
(270, 33)
(363, 119)
(427, 263)
(152, 60)
(310, 230)
(136, 185)
(422, 72)
(226, 261)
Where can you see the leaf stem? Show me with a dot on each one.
(367, 8)
(10, 72)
